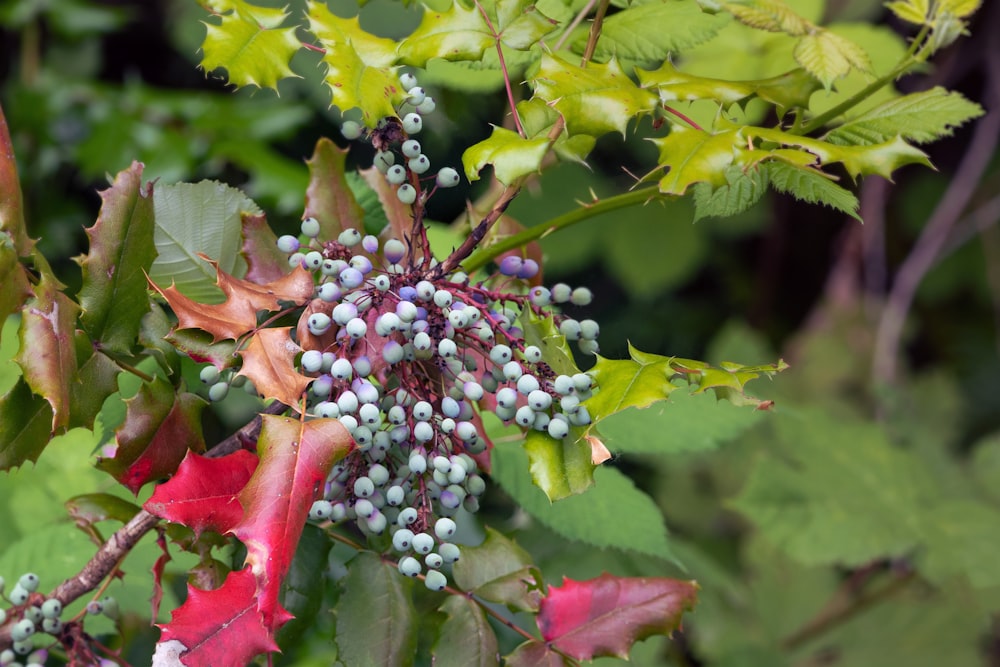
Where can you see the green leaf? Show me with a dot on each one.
(113, 294)
(792, 89)
(811, 186)
(836, 492)
(376, 621)
(959, 8)
(636, 382)
(611, 514)
(193, 218)
(359, 69)
(543, 333)
(920, 117)
(881, 159)
(695, 156)
(25, 426)
(499, 570)
(829, 56)
(684, 422)
(511, 155)
(743, 189)
(962, 539)
(97, 377)
(560, 468)
(769, 15)
(593, 100)
(458, 33)
(302, 597)
(538, 119)
(466, 637)
(649, 32)
(914, 11)
(329, 197)
(249, 44)
(520, 24)
(47, 355)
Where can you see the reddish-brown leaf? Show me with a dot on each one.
(221, 627)
(158, 567)
(265, 262)
(295, 458)
(534, 653)
(48, 353)
(203, 493)
(400, 215)
(160, 427)
(243, 299)
(606, 615)
(11, 210)
(328, 198)
(268, 362)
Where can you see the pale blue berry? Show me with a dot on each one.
(411, 148)
(409, 566)
(310, 227)
(318, 323)
(396, 174)
(419, 164)
(312, 361)
(351, 130)
(218, 391)
(412, 123)
(209, 375)
(406, 193)
(558, 429)
(288, 244)
(423, 543)
(447, 178)
(449, 552)
(402, 539)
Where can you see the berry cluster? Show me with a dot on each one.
(37, 615)
(398, 156)
(404, 358)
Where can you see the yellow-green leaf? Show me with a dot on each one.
(510, 154)
(695, 156)
(593, 100)
(359, 65)
(914, 11)
(828, 56)
(959, 8)
(520, 24)
(249, 44)
(459, 33)
(769, 15)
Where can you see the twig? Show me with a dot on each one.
(114, 550)
(595, 32)
(938, 229)
(503, 70)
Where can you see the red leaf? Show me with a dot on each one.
(295, 458)
(265, 262)
(160, 427)
(221, 627)
(268, 362)
(606, 615)
(238, 313)
(534, 653)
(203, 493)
(158, 566)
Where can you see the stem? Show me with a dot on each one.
(577, 20)
(682, 117)
(128, 368)
(595, 32)
(477, 235)
(834, 615)
(503, 69)
(632, 198)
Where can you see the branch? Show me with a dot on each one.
(114, 550)
(938, 229)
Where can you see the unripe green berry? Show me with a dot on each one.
(218, 391)
(110, 607)
(209, 375)
(34, 614)
(22, 630)
(351, 130)
(406, 193)
(52, 608)
(18, 594)
(310, 227)
(435, 580)
(396, 174)
(29, 582)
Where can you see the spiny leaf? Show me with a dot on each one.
(295, 459)
(399, 215)
(519, 23)
(828, 56)
(91, 508)
(560, 467)
(511, 155)
(593, 100)
(249, 44)
(625, 383)
(193, 219)
(47, 355)
(534, 653)
(243, 299)
(695, 156)
(221, 627)
(376, 621)
(265, 262)
(12, 230)
(650, 32)
(920, 117)
(113, 294)
(607, 615)
(727, 380)
(160, 427)
(268, 361)
(538, 119)
(743, 189)
(329, 198)
(97, 377)
(203, 493)
(881, 159)
(499, 570)
(25, 425)
(466, 637)
(790, 90)
(457, 33)
(811, 186)
(914, 11)
(359, 65)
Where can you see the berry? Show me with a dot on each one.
(318, 323)
(218, 391)
(23, 647)
(29, 582)
(415, 96)
(52, 608)
(312, 361)
(433, 561)
(435, 581)
(406, 193)
(444, 528)
(410, 148)
(558, 429)
(402, 539)
(427, 106)
(407, 516)
(581, 296)
(209, 375)
(412, 123)
(22, 630)
(449, 552)
(447, 178)
(310, 227)
(288, 244)
(53, 626)
(407, 80)
(351, 130)
(396, 174)
(423, 543)
(384, 160)
(419, 164)
(409, 566)
(320, 510)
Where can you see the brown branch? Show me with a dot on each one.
(937, 231)
(478, 234)
(114, 550)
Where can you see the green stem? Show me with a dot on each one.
(129, 368)
(483, 256)
(909, 60)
